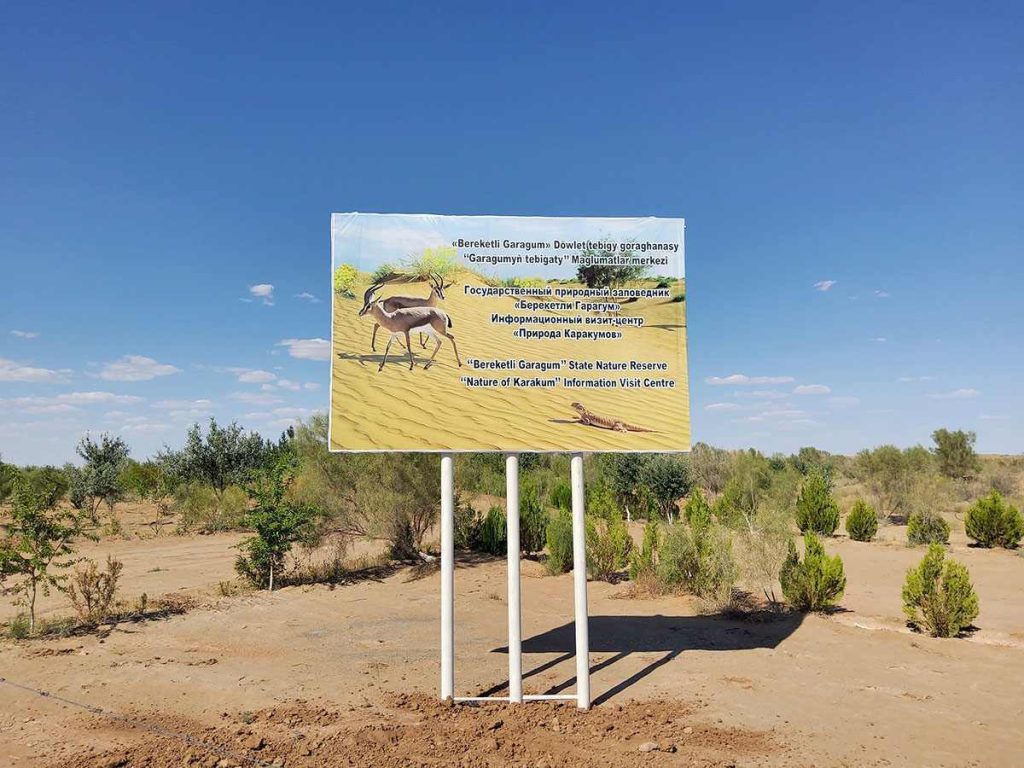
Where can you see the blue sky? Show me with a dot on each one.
(160, 166)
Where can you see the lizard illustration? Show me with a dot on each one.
(593, 420)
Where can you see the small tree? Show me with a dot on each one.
(667, 478)
(624, 474)
(493, 539)
(955, 453)
(992, 522)
(816, 582)
(938, 596)
(278, 522)
(699, 558)
(533, 522)
(927, 527)
(862, 522)
(643, 562)
(98, 480)
(92, 591)
(223, 457)
(608, 545)
(36, 540)
(816, 509)
(697, 511)
(8, 473)
(561, 496)
(559, 536)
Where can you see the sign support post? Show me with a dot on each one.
(515, 615)
(579, 577)
(447, 576)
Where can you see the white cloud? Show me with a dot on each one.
(256, 377)
(255, 398)
(811, 389)
(906, 379)
(182, 405)
(784, 413)
(956, 394)
(14, 371)
(882, 294)
(306, 296)
(824, 285)
(25, 334)
(135, 368)
(264, 292)
(307, 349)
(763, 394)
(73, 398)
(742, 379)
(879, 339)
(721, 407)
(145, 427)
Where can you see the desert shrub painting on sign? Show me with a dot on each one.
(505, 333)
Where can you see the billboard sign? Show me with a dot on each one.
(508, 333)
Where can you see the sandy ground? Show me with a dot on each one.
(347, 675)
(401, 408)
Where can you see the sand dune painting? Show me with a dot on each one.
(491, 333)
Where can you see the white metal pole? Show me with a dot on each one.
(515, 620)
(447, 576)
(579, 576)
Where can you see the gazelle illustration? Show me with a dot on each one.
(402, 322)
(437, 286)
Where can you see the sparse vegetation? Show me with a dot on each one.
(442, 260)
(927, 527)
(493, 532)
(345, 278)
(92, 592)
(698, 558)
(608, 545)
(816, 582)
(862, 522)
(992, 522)
(816, 509)
(938, 597)
(559, 537)
(954, 451)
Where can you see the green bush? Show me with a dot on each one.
(467, 527)
(699, 558)
(19, 627)
(697, 511)
(938, 597)
(862, 522)
(559, 537)
(816, 509)
(608, 546)
(992, 522)
(533, 522)
(442, 260)
(203, 509)
(345, 279)
(493, 538)
(643, 561)
(816, 582)
(561, 496)
(927, 527)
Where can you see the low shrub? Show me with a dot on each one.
(862, 522)
(938, 597)
(992, 522)
(926, 527)
(533, 522)
(492, 532)
(345, 279)
(467, 527)
(608, 546)
(643, 561)
(699, 558)
(202, 509)
(561, 496)
(816, 509)
(559, 538)
(19, 627)
(92, 592)
(815, 583)
(697, 511)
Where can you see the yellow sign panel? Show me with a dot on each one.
(507, 333)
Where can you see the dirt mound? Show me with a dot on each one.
(421, 731)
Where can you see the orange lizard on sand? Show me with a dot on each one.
(593, 420)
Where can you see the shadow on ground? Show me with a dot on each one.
(670, 636)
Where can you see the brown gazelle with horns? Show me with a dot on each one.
(404, 321)
(437, 286)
